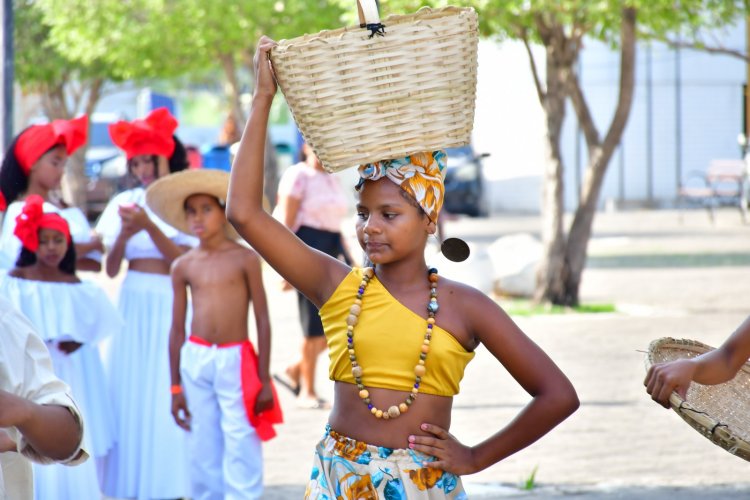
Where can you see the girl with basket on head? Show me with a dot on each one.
(71, 316)
(396, 364)
(34, 164)
(149, 458)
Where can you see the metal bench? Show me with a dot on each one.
(724, 183)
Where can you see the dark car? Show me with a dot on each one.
(464, 184)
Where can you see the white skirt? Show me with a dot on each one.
(83, 371)
(149, 458)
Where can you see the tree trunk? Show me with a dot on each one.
(232, 88)
(55, 104)
(564, 259)
(600, 153)
(553, 269)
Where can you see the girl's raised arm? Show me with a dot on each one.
(313, 273)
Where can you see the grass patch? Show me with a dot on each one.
(529, 483)
(727, 259)
(524, 307)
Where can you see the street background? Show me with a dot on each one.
(668, 275)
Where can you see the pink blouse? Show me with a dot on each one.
(323, 204)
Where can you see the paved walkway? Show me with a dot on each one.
(666, 278)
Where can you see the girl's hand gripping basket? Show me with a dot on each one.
(382, 91)
(720, 412)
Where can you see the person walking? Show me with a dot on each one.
(312, 204)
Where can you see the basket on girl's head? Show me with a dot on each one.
(378, 91)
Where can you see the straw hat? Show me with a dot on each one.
(720, 412)
(166, 196)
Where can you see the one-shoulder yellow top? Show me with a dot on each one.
(387, 339)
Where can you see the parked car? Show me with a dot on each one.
(464, 183)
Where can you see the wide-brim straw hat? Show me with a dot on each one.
(720, 412)
(166, 196)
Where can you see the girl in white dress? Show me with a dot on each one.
(71, 316)
(149, 459)
(34, 164)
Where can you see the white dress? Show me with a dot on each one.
(149, 459)
(10, 245)
(80, 312)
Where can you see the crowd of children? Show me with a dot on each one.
(209, 446)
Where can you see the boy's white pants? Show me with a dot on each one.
(226, 459)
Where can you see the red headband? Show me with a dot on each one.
(38, 139)
(3, 203)
(150, 136)
(33, 218)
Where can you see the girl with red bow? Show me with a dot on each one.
(150, 446)
(34, 164)
(71, 316)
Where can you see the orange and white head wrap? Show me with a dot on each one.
(420, 175)
(32, 218)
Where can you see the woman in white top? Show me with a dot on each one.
(34, 164)
(311, 203)
(149, 457)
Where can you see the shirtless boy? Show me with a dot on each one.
(221, 392)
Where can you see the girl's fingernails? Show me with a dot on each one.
(411, 439)
(424, 427)
(411, 445)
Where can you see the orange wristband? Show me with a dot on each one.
(176, 389)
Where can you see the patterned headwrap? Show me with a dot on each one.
(32, 218)
(420, 175)
(149, 136)
(38, 139)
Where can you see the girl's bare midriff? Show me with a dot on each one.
(351, 417)
(153, 266)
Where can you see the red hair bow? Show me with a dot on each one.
(32, 218)
(38, 139)
(150, 136)
(3, 203)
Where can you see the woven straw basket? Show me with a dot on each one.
(359, 98)
(719, 412)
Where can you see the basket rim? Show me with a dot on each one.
(391, 20)
(703, 422)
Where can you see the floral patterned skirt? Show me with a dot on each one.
(345, 468)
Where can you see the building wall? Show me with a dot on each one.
(687, 110)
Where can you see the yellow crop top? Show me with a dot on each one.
(387, 339)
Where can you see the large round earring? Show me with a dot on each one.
(455, 249)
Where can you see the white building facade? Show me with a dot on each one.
(687, 110)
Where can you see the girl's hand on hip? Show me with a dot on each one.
(451, 455)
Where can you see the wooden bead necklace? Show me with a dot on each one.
(419, 370)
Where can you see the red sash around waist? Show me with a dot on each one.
(251, 386)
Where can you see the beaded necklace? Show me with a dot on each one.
(419, 370)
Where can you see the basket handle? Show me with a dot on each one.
(368, 11)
